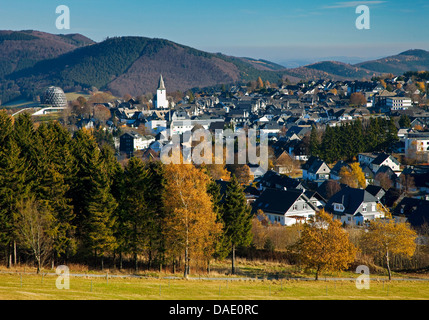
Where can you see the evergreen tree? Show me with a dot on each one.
(54, 167)
(134, 235)
(237, 218)
(13, 188)
(93, 202)
(155, 193)
(404, 121)
(222, 245)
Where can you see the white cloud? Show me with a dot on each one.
(352, 4)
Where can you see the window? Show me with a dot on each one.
(338, 207)
(364, 209)
(295, 207)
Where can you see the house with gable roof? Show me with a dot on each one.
(286, 207)
(315, 169)
(353, 206)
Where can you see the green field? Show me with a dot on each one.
(15, 286)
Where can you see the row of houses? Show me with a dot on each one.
(286, 201)
(288, 114)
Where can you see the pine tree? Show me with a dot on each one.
(52, 178)
(134, 235)
(237, 218)
(221, 245)
(155, 193)
(92, 199)
(13, 188)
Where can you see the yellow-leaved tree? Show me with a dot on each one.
(388, 237)
(190, 225)
(324, 245)
(353, 176)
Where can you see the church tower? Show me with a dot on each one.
(161, 95)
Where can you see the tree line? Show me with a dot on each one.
(65, 198)
(346, 141)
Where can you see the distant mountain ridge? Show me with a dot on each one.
(32, 60)
(23, 49)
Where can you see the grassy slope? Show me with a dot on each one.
(36, 287)
(250, 284)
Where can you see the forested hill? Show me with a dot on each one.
(30, 61)
(23, 49)
(133, 65)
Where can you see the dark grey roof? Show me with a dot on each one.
(350, 198)
(380, 158)
(338, 166)
(277, 201)
(272, 179)
(415, 210)
(376, 191)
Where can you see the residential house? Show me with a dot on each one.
(353, 206)
(377, 160)
(417, 145)
(274, 180)
(377, 191)
(286, 207)
(132, 141)
(283, 162)
(315, 169)
(413, 211)
(335, 171)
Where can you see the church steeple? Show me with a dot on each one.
(161, 85)
(161, 95)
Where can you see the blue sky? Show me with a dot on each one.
(282, 31)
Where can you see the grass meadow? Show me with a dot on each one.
(26, 286)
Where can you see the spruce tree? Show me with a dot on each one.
(134, 235)
(54, 166)
(13, 188)
(92, 199)
(236, 215)
(155, 193)
(222, 245)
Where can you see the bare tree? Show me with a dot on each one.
(34, 228)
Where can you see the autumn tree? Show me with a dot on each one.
(101, 112)
(357, 99)
(353, 176)
(190, 223)
(260, 83)
(34, 227)
(384, 180)
(388, 237)
(324, 245)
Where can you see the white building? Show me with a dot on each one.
(161, 101)
(398, 103)
(417, 143)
